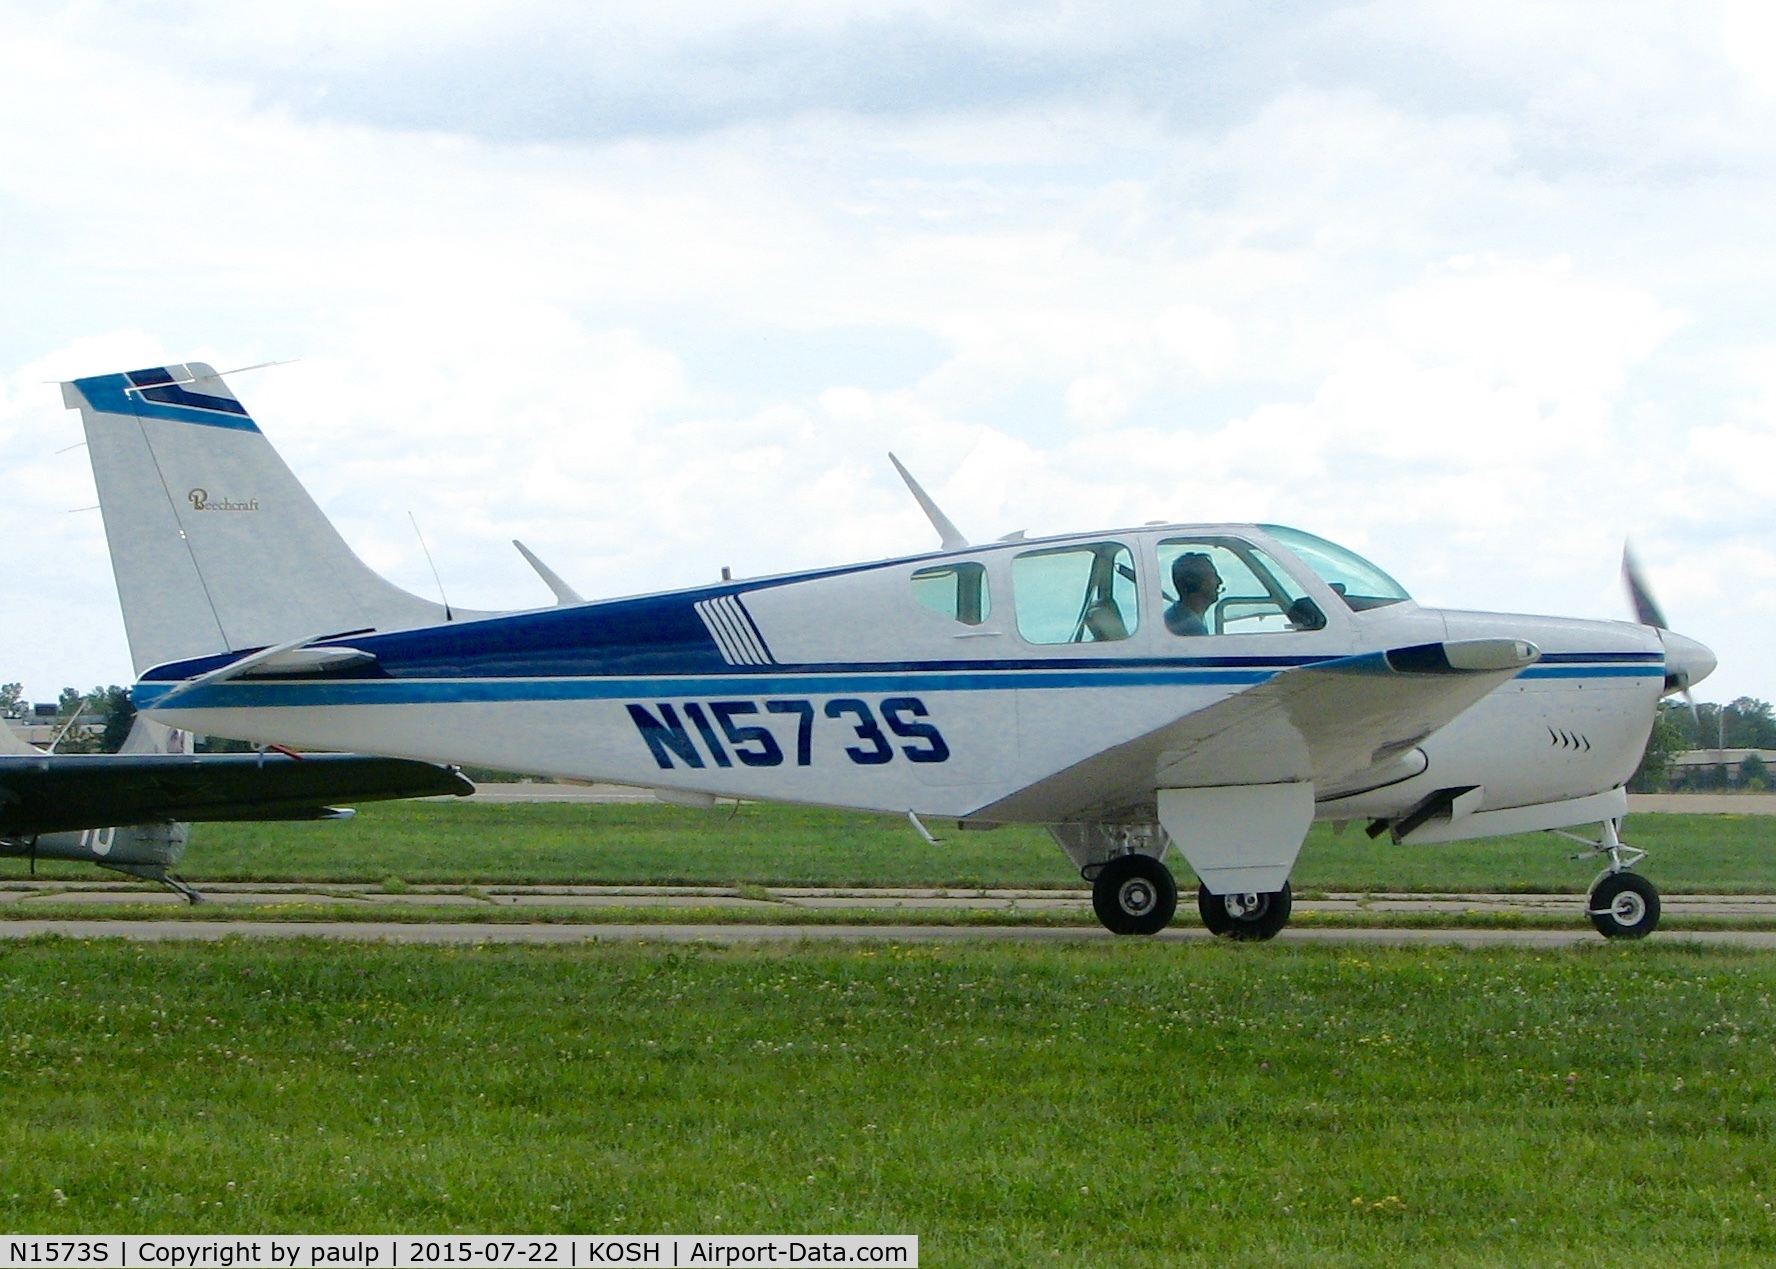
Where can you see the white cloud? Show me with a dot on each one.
(1477, 295)
(1748, 38)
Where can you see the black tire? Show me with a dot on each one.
(1250, 918)
(1624, 905)
(1135, 894)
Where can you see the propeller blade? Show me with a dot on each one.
(1646, 608)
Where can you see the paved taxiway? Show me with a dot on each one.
(478, 932)
(761, 900)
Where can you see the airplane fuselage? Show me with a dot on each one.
(951, 685)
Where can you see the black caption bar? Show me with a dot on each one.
(408, 1251)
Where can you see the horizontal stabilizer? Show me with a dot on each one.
(63, 792)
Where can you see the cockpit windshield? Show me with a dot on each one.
(1358, 582)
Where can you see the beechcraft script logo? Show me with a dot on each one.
(201, 501)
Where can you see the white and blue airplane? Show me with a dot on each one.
(1209, 689)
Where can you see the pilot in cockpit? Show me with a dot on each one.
(1198, 585)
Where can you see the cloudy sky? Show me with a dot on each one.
(1480, 290)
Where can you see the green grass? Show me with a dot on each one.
(1689, 854)
(483, 843)
(514, 843)
(1103, 1105)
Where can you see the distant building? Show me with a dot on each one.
(1717, 766)
(40, 726)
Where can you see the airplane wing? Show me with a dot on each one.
(1330, 723)
(51, 793)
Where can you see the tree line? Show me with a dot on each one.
(108, 709)
(1746, 723)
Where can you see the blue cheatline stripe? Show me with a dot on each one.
(238, 695)
(177, 671)
(105, 393)
(246, 695)
(1559, 663)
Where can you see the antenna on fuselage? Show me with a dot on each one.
(564, 594)
(952, 537)
(434, 567)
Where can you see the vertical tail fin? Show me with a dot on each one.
(215, 544)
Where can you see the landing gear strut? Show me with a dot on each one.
(1134, 894)
(1621, 904)
(1247, 917)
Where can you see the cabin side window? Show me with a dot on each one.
(1076, 594)
(957, 591)
(1217, 586)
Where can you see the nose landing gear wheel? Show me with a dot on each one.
(1624, 905)
(1250, 918)
(1135, 894)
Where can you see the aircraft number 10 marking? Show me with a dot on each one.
(668, 735)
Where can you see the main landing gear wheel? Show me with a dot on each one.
(1624, 905)
(1250, 918)
(1135, 894)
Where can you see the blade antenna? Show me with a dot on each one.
(258, 365)
(946, 531)
(564, 593)
(919, 827)
(434, 567)
(220, 374)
